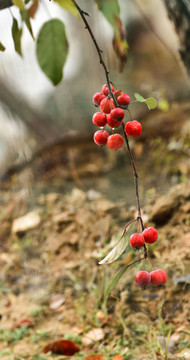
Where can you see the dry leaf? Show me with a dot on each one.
(118, 357)
(94, 357)
(92, 336)
(56, 301)
(29, 221)
(23, 322)
(62, 347)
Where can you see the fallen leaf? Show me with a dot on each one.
(94, 357)
(62, 347)
(118, 357)
(29, 221)
(56, 301)
(23, 322)
(92, 336)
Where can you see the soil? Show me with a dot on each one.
(60, 215)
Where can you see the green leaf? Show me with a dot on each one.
(115, 253)
(111, 10)
(26, 18)
(52, 49)
(2, 48)
(17, 34)
(19, 4)
(150, 102)
(68, 5)
(115, 281)
(118, 249)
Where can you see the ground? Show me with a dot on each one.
(60, 215)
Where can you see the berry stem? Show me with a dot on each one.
(83, 15)
(99, 51)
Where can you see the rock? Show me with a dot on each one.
(168, 203)
(29, 221)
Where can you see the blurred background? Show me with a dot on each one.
(64, 201)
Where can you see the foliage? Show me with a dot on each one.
(52, 44)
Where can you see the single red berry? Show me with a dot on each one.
(99, 119)
(123, 99)
(115, 141)
(105, 89)
(137, 241)
(133, 128)
(150, 235)
(158, 277)
(142, 279)
(100, 137)
(117, 114)
(107, 105)
(97, 98)
(112, 123)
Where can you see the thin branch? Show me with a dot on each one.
(99, 51)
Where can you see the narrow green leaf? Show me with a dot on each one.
(68, 5)
(115, 253)
(52, 49)
(111, 10)
(115, 281)
(150, 102)
(118, 249)
(19, 4)
(26, 18)
(2, 48)
(17, 34)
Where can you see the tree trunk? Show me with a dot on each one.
(179, 14)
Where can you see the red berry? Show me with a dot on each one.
(142, 279)
(123, 99)
(158, 277)
(98, 97)
(137, 241)
(150, 235)
(117, 114)
(133, 128)
(105, 89)
(99, 119)
(112, 123)
(100, 137)
(107, 105)
(115, 141)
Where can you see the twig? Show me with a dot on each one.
(99, 51)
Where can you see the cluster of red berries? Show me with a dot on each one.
(143, 278)
(113, 116)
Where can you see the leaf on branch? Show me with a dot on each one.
(150, 102)
(2, 48)
(111, 11)
(118, 249)
(17, 34)
(115, 253)
(52, 49)
(115, 281)
(33, 8)
(26, 18)
(19, 4)
(68, 5)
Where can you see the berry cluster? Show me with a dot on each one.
(143, 278)
(112, 114)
